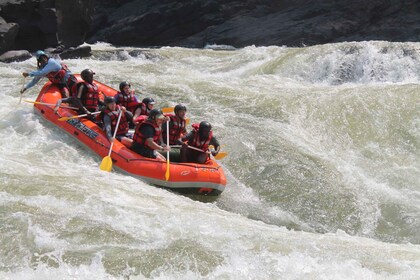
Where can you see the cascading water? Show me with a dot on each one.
(323, 170)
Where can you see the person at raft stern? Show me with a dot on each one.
(58, 73)
(143, 109)
(147, 136)
(200, 137)
(87, 94)
(110, 118)
(177, 126)
(125, 97)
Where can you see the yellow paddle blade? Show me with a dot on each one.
(168, 110)
(106, 164)
(220, 155)
(65, 118)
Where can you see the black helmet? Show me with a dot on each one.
(109, 100)
(156, 113)
(148, 100)
(180, 107)
(123, 85)
(204, 126)
(87, 75)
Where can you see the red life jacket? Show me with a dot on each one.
(123, 126)
(90, 98)
(178, 127)
(140, 139)
(128, 101)
(201, 144)
(57, 76)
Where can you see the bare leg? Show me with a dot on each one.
(127, 141)
(160, 157)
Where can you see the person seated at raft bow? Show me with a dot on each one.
(85, 95)
(110, 118)
(201, 137)
(143, 109)
(177, 126)
(58, 74)
(147, 136)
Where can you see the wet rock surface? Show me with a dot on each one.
(39, 24)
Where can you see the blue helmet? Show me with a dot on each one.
(38, 54)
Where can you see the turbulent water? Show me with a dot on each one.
(323, 170)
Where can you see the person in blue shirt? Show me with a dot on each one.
(58, 73)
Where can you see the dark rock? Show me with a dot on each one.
(253, 22)
(74, 19)
(84, 51)
(11, 56)
(37, 22)
(47, 23)
(8, 33)
(196, 23)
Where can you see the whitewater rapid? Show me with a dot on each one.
(323, 170)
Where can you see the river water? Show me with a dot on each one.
(323, 170)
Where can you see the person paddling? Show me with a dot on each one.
(147, 136)
(110, 117)
(87, 93)
(85, 96)
(177, 126)
(58, 74)
(201, 137)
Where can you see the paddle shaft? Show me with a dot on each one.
(78, 116)
(115, 132)
(191, 147)
(167, 152)
(197, 149)
(23, 86)
(50, 104)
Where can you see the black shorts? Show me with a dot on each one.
(144, 151)
(196, 156)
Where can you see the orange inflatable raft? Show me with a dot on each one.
(186, 178)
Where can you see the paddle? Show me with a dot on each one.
(167, 152)
(50, 104)
(78, 116)
(220, 155)
(168, 110)
(21, 92)
(106, 164)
